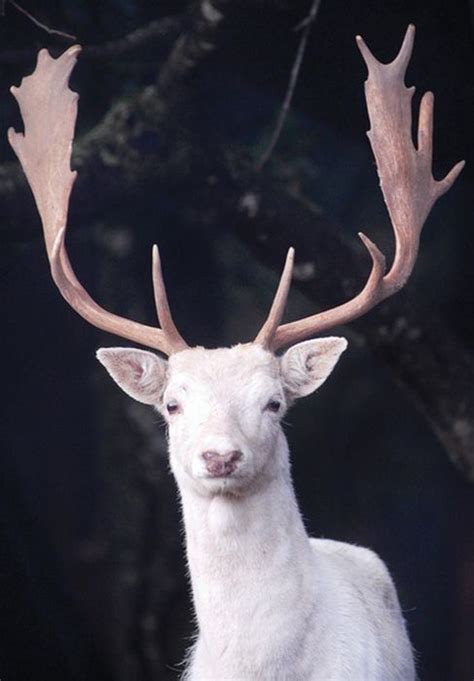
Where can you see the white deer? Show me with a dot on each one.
(271, 603)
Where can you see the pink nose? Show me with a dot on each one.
(221, 465)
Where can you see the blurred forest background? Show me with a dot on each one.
(178, 103)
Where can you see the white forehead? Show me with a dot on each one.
(224, 369)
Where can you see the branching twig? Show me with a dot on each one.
(51, 31)
(160, 28)
(305, 26)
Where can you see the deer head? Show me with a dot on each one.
(223, 406)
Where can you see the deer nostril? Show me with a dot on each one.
(233, 456)
(228, 457)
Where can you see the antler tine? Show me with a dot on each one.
(286, 334)
(49, 111)
(162, 306)
(267, 332)
(408, 187)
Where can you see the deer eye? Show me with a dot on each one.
(172, 407)
(273, 406)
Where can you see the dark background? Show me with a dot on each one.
(92, 572)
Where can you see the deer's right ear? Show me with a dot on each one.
(140, 374)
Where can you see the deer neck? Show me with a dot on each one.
(241, 547)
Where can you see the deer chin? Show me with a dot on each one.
(230, 485)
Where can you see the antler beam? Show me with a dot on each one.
(408, 188)
(49, 110)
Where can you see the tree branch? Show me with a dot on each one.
(155, 30)
(305, 26)
(44, 27)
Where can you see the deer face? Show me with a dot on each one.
(223, 407)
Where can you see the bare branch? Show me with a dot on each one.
(305, 26)
(155, 30)
(51, 31)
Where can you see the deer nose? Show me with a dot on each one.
(219, 465)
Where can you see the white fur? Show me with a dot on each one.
(271, 603)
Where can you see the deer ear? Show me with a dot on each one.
(305, 366)
(140, 374)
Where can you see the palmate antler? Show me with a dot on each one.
(49, 111)
(408, 188)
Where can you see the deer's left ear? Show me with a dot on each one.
(139, 373)
(305, 366)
